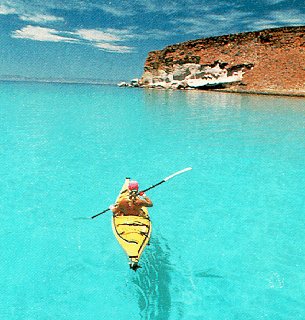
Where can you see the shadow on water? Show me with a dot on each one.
(207, 274)
(153, 282)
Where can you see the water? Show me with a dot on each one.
(228, 237)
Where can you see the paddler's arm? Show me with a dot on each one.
(114, 208)
(118, 207)
(145, 201)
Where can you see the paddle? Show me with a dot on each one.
(153, 186)
(167, 178)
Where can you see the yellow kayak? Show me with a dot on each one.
(132, 232)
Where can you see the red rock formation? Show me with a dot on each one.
(272, 60)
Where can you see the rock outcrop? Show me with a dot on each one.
(133, 83)
(267, 61)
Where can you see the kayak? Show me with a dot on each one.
(132, 232)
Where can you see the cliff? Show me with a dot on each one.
(266, 61)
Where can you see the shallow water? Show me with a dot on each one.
(228, 237)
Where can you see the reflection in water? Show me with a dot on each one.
(167, 290)
(198, 99)
(153, 282)
(206, 274)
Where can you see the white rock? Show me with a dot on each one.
(190, 75)
(122, 84)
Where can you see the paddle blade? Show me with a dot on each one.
(178, 172)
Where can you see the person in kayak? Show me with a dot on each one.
(132, 205)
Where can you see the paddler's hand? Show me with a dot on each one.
(112, 207)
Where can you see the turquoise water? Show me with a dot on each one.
(228, 237)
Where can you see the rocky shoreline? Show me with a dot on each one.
(270, 61)
(224, 90)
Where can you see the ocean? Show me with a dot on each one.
(228, 237)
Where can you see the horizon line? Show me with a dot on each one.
(59, 80)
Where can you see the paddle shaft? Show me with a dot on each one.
(153, 186)
(167, 178)
(100, 213)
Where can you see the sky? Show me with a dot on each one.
(110, 40)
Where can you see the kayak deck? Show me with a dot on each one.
(132, 232)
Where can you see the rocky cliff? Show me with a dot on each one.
(267, 61)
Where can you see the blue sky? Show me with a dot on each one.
(110, 39)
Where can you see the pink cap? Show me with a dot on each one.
(133, 185)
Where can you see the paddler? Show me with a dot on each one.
(132, 204)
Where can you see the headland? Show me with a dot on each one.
(270, 61)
